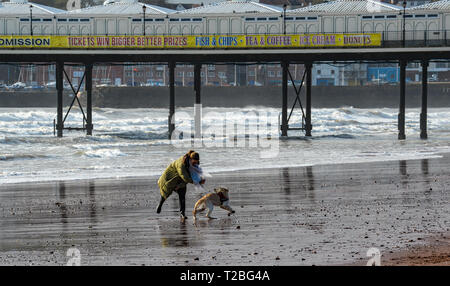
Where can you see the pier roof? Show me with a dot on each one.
(122, 7)
(349, 6)
(22, 7)
(233, 6)
(438, 5)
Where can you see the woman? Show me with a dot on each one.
(176, 177)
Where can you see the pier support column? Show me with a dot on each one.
(59, 90)
(308, 125)
(401, 114)
(423, 114)
(284, 119)
(89, 125)
(198, 103)
(172, 98)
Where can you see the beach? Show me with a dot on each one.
(315, 215)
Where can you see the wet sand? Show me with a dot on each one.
(321, 215)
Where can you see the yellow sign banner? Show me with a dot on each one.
(192, 42)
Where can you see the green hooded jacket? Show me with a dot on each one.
(176, 175)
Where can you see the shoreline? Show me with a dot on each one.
(140, 177)
(316, 215)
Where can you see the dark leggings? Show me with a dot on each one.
(182, 198)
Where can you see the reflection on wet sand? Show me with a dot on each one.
(286, 181)
(92, 206)
(305, 185)
(221, 223)
(424, 166)
(61, 204)
(310, 178)
(404, 173)
(173, 237)
(175, 233)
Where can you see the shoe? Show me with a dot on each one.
(183, 216)
(158, 210)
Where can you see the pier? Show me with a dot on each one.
(199, 57)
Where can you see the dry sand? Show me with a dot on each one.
(321, 215)
(435, 252)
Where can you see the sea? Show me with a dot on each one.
(134, 142)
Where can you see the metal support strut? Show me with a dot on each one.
(171, 98)
(401, 114)
(87, 118)
(59, 91)
(197, 105)
(88, 75)
(297, 99)
(284, 120)
(423, 114)
(75, 97)
(308, 125)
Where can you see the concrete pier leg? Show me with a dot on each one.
(59, 91)
(198, 103)
(401, 114)
(423, 114)
(308, 125)
(172, 98)
(284, 120)
(88, 85)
